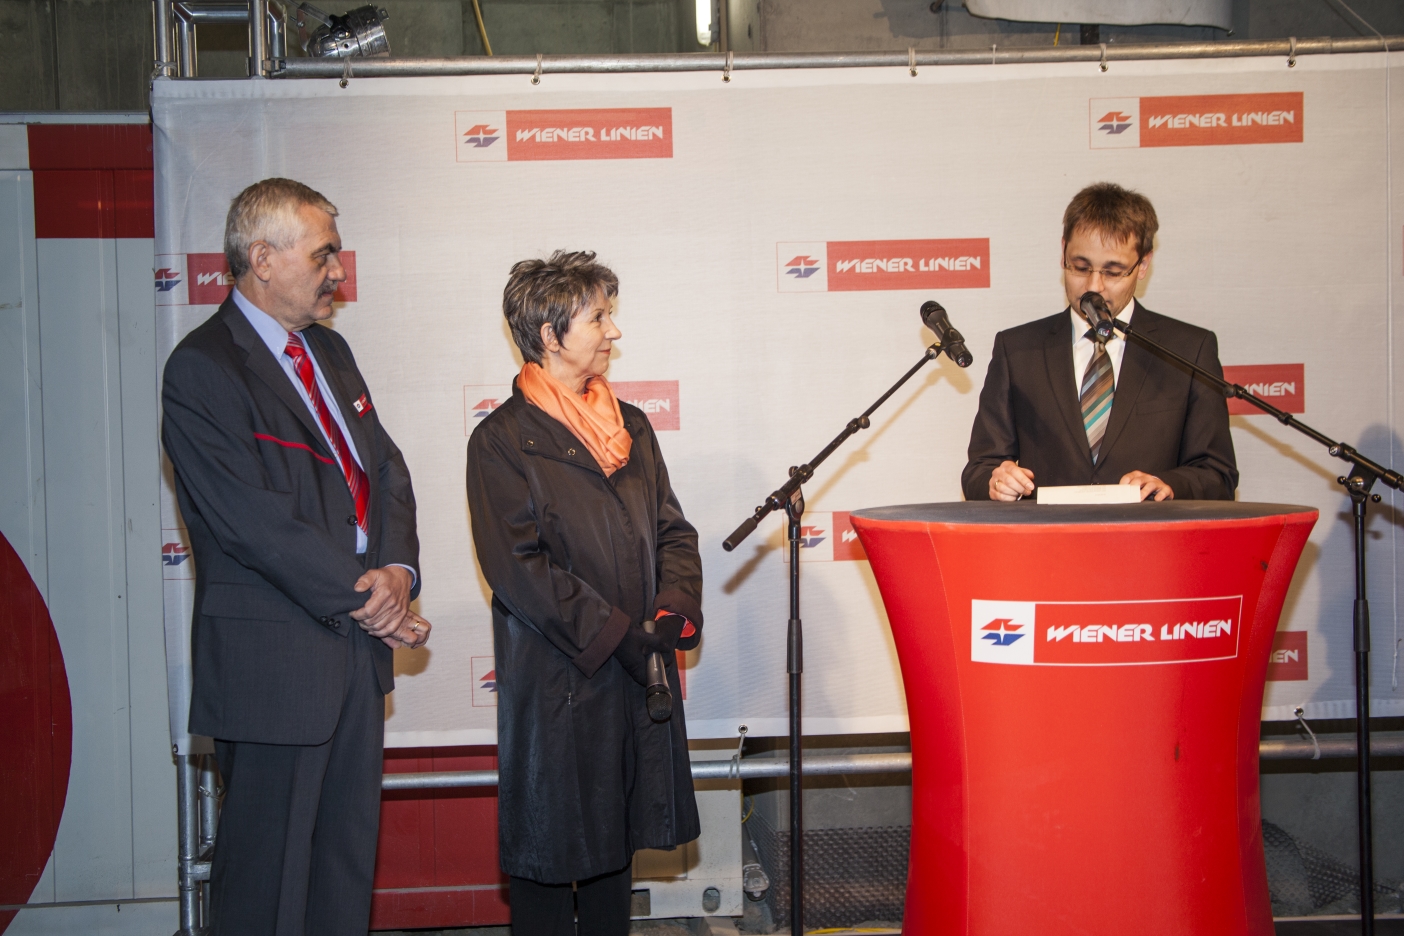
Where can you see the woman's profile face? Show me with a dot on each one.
(583, 351)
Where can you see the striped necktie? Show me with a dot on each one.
(1098, 385)
(355, 477)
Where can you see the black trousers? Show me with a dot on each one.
(601, 903)
(295, 846)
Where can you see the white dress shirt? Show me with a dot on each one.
(1084, 346)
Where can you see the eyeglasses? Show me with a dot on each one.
(1083, 271)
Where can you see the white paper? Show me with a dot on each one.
(1090, 494)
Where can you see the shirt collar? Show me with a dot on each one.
(275, 336)
(1080, 326)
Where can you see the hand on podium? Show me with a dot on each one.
(1009, 482)
(1151, 486)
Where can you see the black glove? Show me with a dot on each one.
(670, 628)
(634, 648)
(676, 601)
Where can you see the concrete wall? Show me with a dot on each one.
(96, 55)
(75, 55)
(1315, 803)
(860, 25)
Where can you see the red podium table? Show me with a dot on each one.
(1084, 687)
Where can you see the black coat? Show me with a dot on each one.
(573, 559)
(1163, 421)
(272, 526)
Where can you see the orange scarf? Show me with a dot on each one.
(593, 417)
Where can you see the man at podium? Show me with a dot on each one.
(1059, 408)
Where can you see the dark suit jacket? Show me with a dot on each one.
(272, 526)
(1163, 421)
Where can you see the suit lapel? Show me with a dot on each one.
(1129, 382)
(1057, 352)
(263, 364)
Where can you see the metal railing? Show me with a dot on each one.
(752, 768)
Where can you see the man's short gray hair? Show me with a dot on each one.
(552, 290)
(267, 211)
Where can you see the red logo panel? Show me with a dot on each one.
(657, 398)
(604, 133)
(1288, 661)
(847, 546)
(909, 264)
(210, 279)
(1222, 119)
(1113, 633)
(1282, 385)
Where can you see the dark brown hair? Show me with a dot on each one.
(552, 290)
(1115, 213)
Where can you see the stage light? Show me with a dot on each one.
(358, 32)
(704, 22)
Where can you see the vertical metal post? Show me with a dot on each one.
(277, 32)
(209, 821)
(794, 510)
(161, 24)
(188, 825)
(258, 39)
(185, 47)
(723, 30)
(1359, 493)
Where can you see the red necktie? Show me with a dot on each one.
(355, 477)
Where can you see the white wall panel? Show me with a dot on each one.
(78, 298)
(153, 771)
(21, 421)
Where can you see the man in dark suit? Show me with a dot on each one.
(1060, 408)
(302, 520)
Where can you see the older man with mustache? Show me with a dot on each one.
(301, 517)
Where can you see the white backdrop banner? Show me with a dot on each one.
(774, 237)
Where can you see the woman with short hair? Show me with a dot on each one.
(581, 540)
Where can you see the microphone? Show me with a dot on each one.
(1099, 314)
(952, 342)
(658, 697)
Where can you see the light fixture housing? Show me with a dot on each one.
(358, 33)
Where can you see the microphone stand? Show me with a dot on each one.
(1362, 477)
(790, 498)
